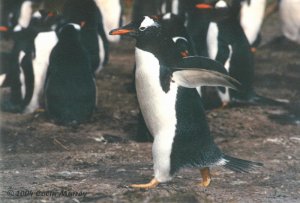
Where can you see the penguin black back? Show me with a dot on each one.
(87, 15)
(70, 88)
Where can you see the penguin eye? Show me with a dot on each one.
(142, 28)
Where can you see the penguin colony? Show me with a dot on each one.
(181, 46)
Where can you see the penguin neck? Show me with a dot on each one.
(163, 48)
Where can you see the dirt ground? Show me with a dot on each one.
(41, 162)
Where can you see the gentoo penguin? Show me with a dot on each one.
(43, 45)
(289, 11)
(227, 43)
(87, 14)
(70, 89)
(171, 106)
(197, 23)
(251, 18)
(20, 74)
(21, 77)
(172, 26)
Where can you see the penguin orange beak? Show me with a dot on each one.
(3, 29)
(184, 53)
(82, 23)
(120, 31)
(125, 30)
(204, 6)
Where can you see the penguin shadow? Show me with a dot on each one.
(290, 114)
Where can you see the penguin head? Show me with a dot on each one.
(212, 5)
(147, 27)
(214, 10)
(70, 31)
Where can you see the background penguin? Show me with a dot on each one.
(251, 18)
(227, 43)
(87, 14)
(289, 11)
(112, 14)
(43, 45)
(70, 89)
(171, 106)
(173, 26)
(21, 76)
(197, 24)
(9, 10)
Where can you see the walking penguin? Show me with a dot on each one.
(171, 106)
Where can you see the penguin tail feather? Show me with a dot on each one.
(240, 165)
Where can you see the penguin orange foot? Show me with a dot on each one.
(225, 104)
(152, 184)
(40, 110)
(206, 178)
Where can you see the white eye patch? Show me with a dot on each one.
(76, 26)
(221, 4)
(167, 16)
(147, 22)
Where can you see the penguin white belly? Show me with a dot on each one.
(25, 14)
(44, 44)
(212, 46)
(175, 7)
(158, 109)
(290, 16)
(252, 17)
(101, 55)
(111, 13)
(2, 79)
(225, 97)
(22, 75)
(212, 40)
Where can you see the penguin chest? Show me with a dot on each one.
(290, 17)
(157, 106)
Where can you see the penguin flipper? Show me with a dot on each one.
(201, 62)
(193, 77)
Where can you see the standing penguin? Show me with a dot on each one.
(171, 106)
(251, 18)
(227, 43)
(70, 89)
(289, 11)
(112, 13)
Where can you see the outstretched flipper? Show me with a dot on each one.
(192, 78)
(199, 71)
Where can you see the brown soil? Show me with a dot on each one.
(102, 158)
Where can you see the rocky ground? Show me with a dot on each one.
(43, 162)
